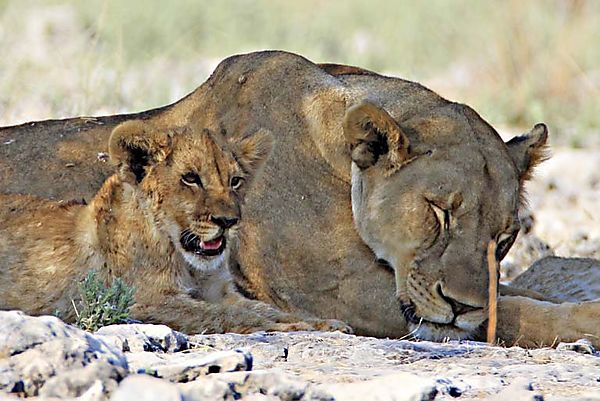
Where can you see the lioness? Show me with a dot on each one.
(376, 207)
(165, 223)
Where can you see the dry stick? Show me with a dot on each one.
(492, 292)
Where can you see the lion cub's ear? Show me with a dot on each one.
(253, 151)
(135, 145)
(371, 133)
(529, 150)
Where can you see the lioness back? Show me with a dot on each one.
(32, 232)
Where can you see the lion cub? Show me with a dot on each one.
(164, 223)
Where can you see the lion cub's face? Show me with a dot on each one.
(194, 183)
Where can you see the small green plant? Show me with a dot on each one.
(100, 305)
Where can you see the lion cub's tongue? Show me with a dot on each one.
(212, 244)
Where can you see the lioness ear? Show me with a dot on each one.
(135, 145)
(529, 150)
(254, 150)
(371, 133)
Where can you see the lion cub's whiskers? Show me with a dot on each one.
(188, 237)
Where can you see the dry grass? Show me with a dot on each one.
(516, 62)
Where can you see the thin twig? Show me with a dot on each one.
(75, 308)
(492, 292)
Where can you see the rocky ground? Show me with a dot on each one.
(42, 357)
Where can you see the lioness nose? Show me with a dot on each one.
(224, 222)
(458, 308)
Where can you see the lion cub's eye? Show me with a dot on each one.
(191, 180)
(237, 182)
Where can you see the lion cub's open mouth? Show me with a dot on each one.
(192, 243)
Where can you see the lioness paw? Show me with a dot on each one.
(331, 325)
(296, 326)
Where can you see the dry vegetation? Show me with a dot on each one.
(516, 62)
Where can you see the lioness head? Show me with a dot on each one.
(428, 194)
(192, 183)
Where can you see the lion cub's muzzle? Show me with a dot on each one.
(213, 243)
(192, 242)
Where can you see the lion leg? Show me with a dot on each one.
(192, 316)
(279, 316)
(184, 313)
(532, 323)
(508, 290)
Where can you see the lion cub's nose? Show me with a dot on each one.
(224, 222)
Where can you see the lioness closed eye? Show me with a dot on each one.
(164, 223)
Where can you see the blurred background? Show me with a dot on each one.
(516, 62)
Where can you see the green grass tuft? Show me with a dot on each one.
(100, 305)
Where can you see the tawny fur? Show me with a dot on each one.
(573, 284)
(131, 230)
(302, 247)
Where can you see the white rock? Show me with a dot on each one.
(185, 367)
(271, 385)
(582, 346)
(146, 388)
(397, 387)
(144, 337)
(520, 390)
(44, 356)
